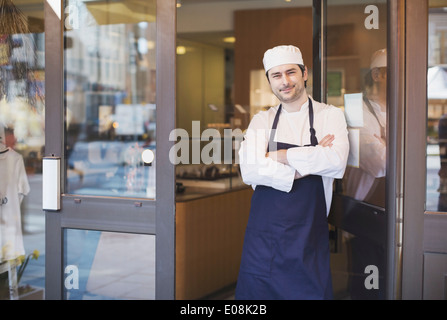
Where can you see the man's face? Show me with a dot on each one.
(287, 82)
(379, 75)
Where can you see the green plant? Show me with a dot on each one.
(24, 262)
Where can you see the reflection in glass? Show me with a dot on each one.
(110, 97)
(436, 198)
(357, 81)
(108, 266)
(22, 102)
(366, 117)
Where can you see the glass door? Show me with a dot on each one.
(355, 68)
(22, 140)
(106, 150)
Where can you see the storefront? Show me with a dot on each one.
(120, 123)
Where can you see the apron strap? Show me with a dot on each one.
(371, 109)
(313, 138)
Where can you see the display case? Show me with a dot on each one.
(207, 165)
(197, 180)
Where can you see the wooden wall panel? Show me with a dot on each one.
(209, 238)
(258, 30)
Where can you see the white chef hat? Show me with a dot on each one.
(282, 55)
(378, 59)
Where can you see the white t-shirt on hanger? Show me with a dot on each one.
(13, 187)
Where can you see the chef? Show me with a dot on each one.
(290, 155)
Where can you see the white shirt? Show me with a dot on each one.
(372, 154)
(293, 128)
(13, 186)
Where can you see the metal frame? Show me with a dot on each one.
(415, 33)
(396, 125)
(319, 34)
(165, 184)
(395, 164)
(435, 224)
(114, 214)
(53, 145)
(424, 232)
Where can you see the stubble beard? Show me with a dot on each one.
(285, 98)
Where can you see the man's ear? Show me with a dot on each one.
(375, 73)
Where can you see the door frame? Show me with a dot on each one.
(415, 33)
(140, 216)
(424, 231)
(395, 135)
(412, 231)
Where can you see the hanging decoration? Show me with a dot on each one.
(17, 57)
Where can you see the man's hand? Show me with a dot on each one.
(327, 141)
(279, 156)
(381, 140)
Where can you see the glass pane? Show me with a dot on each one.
(221, 83)
(22, 104)
(436, 200)
(110, 97)
(357, 81)
(99, 266)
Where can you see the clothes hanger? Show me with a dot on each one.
(3, 148)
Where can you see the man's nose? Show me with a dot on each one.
(285, 79)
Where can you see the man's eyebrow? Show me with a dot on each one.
(288, 70)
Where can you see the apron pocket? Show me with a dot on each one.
(257, 253)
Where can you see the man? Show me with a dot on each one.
(366, 183)
(290, 155)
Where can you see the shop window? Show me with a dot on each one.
(436, 196)
(110, 65)
(22, 142)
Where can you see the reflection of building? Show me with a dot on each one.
(103, 68)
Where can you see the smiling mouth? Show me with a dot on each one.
(287, 89)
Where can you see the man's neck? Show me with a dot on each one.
(380, 99)
(296, 105)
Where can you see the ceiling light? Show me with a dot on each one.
(181, 50)
(229, 39)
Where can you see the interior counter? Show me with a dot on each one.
(210, 227)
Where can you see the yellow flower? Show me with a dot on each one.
(36, 254)
(20, 259)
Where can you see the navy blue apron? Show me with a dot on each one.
(286, 246)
